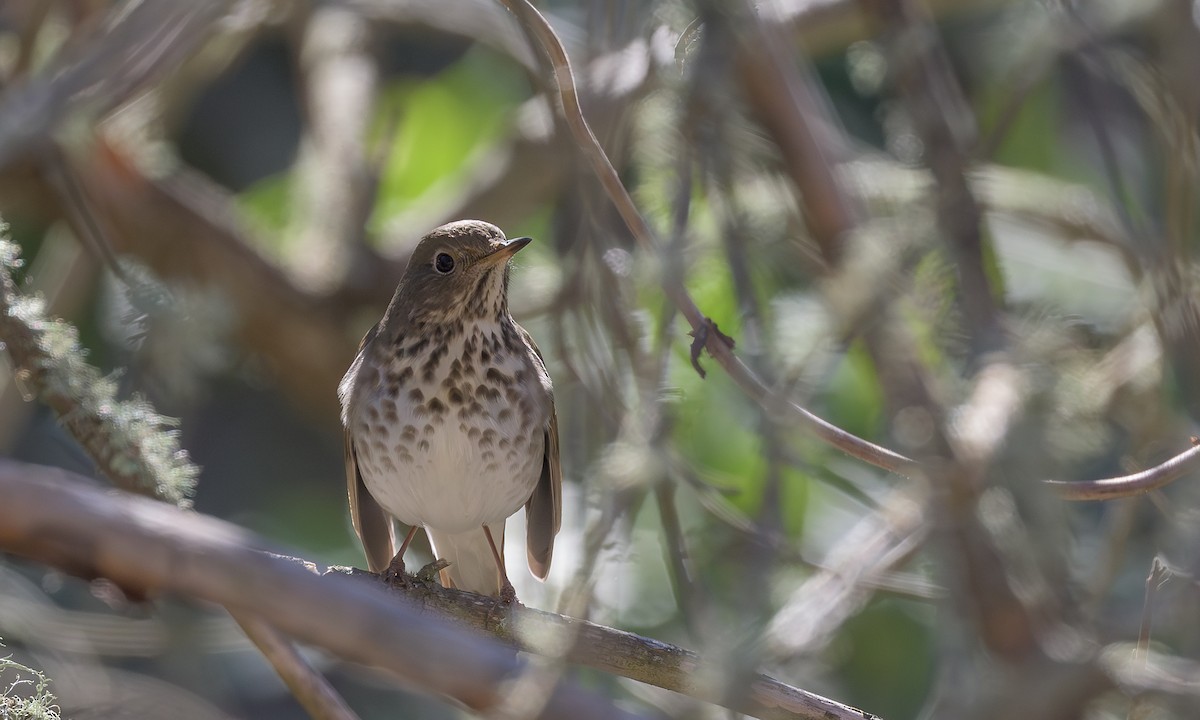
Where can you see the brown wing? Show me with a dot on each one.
(543, 510)
(372, 524)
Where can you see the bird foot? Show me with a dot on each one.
(508, 594)
(395, 575)
(503, 602)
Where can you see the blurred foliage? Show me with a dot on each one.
(1087, 253)
(442, 122)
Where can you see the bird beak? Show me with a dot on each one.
(502, 254)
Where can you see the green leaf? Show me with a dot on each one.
(443, 122)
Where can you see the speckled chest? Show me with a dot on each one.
(449, 430)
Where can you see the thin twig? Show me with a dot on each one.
(678, 559)
(1129, 485)
(1141, 651)
(66, 182)
(942, 118)
(309, 687)
(1158, 571)
(717, 347)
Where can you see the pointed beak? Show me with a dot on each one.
(502, 254)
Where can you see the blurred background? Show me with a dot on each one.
(879, 201)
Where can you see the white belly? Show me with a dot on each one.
(448, 481)
(456, 464)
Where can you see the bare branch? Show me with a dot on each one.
(621, 653)
(791, 110)
(308, 686)
(140, 44)
(1129, 485)
(149, 549)
(337, 187)
(942, 118)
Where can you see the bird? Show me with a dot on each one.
(449, 419)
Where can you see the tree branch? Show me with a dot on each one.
(942, 118)
(715, 342)
(780, 407)
(309, 687)
(149, 549)
(128, 441)
(1130, 485)
(618, 652)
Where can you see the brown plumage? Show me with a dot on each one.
(449, 416)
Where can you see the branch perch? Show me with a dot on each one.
(149, 548)
(616, 651)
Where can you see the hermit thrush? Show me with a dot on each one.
(449, 417)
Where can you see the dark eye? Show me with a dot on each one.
(443, 263)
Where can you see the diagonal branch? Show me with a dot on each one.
(618, 652)
(309, 687)
(150, 549)
(1130, 485)
(139, 44)
(130, 443)
(715, 342)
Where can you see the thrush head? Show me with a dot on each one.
(457, 271)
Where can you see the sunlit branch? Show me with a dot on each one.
(1129, 485)
(149, 549)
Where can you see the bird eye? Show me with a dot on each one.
(443, 263)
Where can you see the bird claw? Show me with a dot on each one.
(395, 575)
(506, 599)
(508, 594)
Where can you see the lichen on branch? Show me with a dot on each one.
(137, 448)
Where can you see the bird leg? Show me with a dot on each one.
(395, 574)
(507, 592)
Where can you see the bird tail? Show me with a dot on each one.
(472, 566)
